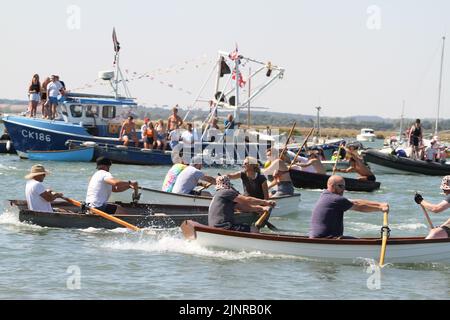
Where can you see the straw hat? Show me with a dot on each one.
(36, 170)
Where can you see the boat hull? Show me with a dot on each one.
(307, 180)
(394, 164)
(285, 205)
(141, 215)
(399, 250)
(82, 154)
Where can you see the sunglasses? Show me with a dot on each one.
(342, 186)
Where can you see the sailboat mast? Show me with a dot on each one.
(400, 135)
(436, 129)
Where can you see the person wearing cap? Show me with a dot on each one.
(102, 184)
(148, 133)
(226, 200)
(443, 231)
(190, 177)
(38, 197)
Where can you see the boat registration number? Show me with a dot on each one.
(36, 135)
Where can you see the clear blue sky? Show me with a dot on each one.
(331, 56)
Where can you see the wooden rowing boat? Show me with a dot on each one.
(285, 205)
(66, 215)
(399, 250)
(84, 154)
(308, 180)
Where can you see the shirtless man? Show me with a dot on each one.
(314, 162)
(357, 165)
(174, 121)
(128, 131)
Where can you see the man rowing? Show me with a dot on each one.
(227, 200)
(356, 164)
(102, 184)
(327, 219)
(38, 197)
(442, 231)
(190, 177)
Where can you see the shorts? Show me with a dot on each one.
(371, 178)
(415, 141)
(108, 208)
(34, 97)
(53, 100)
(161, 137)
(149, 140)
(446, 229)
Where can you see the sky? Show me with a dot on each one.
(351, 57)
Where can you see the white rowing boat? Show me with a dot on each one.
(399, 250)
(285, 205)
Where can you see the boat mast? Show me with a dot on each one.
(436, 129)
(318, 121)
(249, 95)
(118, 75)
(400, 135)
(237, 61)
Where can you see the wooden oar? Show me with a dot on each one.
(337, 159)
(427, 216)
(287, 141)
(104, 215)
(302, 146)
(260, 222)
(385, 235)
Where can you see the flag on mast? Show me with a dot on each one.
(116, 43)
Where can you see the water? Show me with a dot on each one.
(41, 263)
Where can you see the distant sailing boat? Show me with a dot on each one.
(436, 128)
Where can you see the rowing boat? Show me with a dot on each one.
(308, 180)
(85, 154)
(66, 215)
(285, 205)
(399, 250)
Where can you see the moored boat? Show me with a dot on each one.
(85, 154)
(366, 135)
(66, 215)
(285, 205)
(399, 250)
(308, 180)
(388, 163)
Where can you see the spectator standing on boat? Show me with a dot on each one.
(314, 163)
(356, 164)
(254, 182)
(229, 124)
(443, 231)
(189, 178)
(34, 93)
(128, 132)
(53, 91)
(279, 170)
(416, 139)
(161, 135)
(188, 136)
(44, 101)
(327, 220)
(174, 121)
(174, 138)
(38, 197)
(212, 130)
(226, 200)
(148, 133)
(173, 173)
(102, 184)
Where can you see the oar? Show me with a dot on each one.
(303, 145)
(287, 141)
(260, 222)
(385, 235)
(427, 216)
(337, 158)
(104, 215)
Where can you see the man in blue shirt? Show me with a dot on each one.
(327, 219)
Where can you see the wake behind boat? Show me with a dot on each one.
(399, 250)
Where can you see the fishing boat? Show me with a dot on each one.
(66, 215)
(308, 180)
(285, 205)
(388, 163)
(399, 250)
(126, 154)
(85, 154)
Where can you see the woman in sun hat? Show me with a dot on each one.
(444, 230)
(38, 197)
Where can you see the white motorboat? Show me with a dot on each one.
(366, 135)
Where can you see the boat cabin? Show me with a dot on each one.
(100, 115)
(367, 131)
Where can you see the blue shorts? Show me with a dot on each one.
(108, 208)
(53, 100)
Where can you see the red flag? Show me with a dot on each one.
(241, 80)
(116, 43)
(234, 55)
